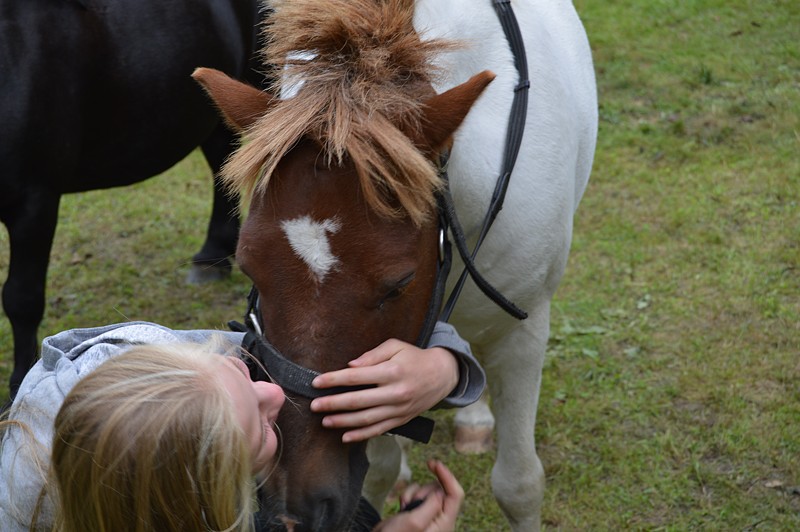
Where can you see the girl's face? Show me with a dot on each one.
(257, 406)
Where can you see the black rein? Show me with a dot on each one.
(516, 127)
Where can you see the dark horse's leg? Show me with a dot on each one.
(31, 226)
(213, 261)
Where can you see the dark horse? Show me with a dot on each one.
(97, 94)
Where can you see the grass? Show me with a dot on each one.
(671, 391)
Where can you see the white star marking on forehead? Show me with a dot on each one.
(309, 241)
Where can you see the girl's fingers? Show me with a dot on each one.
(417, 492)
(382, 353)
(446, 478)
(372, 374)
(428, 511)
(351, 401)
(454, 493)
(361, 418)
(365, 433)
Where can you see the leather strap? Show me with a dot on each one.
(516, 127)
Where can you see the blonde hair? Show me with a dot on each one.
(150, 442)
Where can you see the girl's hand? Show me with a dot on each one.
(409, 381)
(439, 510)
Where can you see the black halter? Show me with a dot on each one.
(297, 379)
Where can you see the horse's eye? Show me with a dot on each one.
(396, 289)
(394, 294)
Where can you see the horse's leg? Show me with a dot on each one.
(474, 428)
(385, 456)
(213, 261)
(404, 478)
(31, 227)
(514, 370)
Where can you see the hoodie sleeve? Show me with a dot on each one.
(25, 451)
(471, 377)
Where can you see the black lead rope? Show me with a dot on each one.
(516, 127)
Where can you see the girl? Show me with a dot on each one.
(170, 436)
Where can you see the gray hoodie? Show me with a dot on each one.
(69, 355)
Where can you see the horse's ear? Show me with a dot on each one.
(445, 112)
(239, 103)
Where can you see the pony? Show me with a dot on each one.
(341, 164)
(96, 94)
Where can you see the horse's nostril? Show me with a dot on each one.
(325, 511)
(325, 514)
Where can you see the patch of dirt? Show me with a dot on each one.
(765, 392)
(697, 412)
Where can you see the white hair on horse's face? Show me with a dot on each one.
(309, 240)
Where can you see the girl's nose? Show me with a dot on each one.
(270, 397)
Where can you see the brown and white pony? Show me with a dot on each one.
(341, 234)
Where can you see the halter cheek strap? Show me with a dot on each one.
(442, 271)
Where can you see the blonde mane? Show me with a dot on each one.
(365, 75)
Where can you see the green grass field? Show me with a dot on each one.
(671, 391)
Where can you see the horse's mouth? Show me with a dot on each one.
(288, 522)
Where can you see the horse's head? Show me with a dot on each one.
(341, 236)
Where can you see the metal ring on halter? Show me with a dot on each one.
(255, 323)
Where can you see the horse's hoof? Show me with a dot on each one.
(473, 440)
(203, 274)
